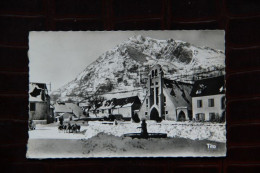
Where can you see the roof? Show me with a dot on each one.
(75, 109)
(126, 101)
(65, 115)
(121, 102)
(40, 85)
(61, 108)
(38, 92)
(68, 108)
(210, 86)
(86, 104)
(179, 91)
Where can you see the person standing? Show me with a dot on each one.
(144, 132)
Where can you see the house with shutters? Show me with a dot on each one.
(39, 102)
(165, 99)
(208, 99)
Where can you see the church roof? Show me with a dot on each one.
(179, 92)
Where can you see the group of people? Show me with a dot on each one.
(70, 128)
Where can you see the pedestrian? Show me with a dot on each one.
(144, 132)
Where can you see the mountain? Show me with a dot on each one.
(120, 72)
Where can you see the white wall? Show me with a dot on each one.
(125, 111)
(101, 114)
(170, 107)
(205, 108)
(41, 112)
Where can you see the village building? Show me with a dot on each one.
(68, 111)
(124, 106)
(208, 99)
(39, 102)
(166, 99)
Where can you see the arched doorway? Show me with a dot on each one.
(181, 116)
(154, 114)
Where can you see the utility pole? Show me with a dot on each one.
(49, 85)
(139, 75)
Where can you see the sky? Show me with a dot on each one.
(58, 57)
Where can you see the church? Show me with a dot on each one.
(166, 99)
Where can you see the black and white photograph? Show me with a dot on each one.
(96, 94)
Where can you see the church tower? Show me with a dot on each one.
(155, 99)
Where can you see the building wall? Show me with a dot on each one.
(41, 112)
(205, 108)
(102, 113)
(144, 108)
(125, 111)
(169, 107)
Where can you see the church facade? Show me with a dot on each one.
(166, 99)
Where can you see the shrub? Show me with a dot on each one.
(136, 118)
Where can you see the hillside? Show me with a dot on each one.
(120, 72)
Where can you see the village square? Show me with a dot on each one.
(170, 109)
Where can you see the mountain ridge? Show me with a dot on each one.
(122, 68)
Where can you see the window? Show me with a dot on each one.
(212, 116)
(32, 106)
(200, 117)
(152, 91)
(199, 103)
(156, 83)
(211, 102)
(157, 95)
(152, 97)
(157, 91)
(147, 103)
(152, 73)
(155, 72)
(166, 112)
(102, 110)
(146, 113)
(223, 103)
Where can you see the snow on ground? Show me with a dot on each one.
(189, 130)
(104, 139)
(104, 145)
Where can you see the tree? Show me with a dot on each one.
(96, 101)
(54, 97)
(136, 118)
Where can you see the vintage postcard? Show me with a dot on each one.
(127, 94)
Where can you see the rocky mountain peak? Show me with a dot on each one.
(122, 69)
